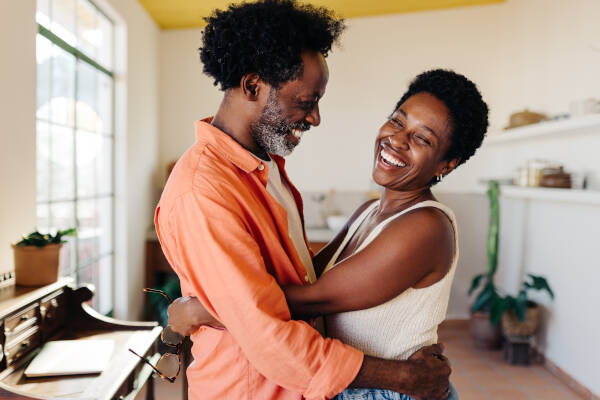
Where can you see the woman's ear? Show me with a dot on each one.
(448, 166)
(251, 86)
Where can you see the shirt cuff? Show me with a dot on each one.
(337, 372)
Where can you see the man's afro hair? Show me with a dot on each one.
(265, 37)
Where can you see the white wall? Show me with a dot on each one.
(137, 137)
(17, 113)
(137, 146)
(521, 53)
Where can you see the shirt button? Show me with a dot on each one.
(261, 167)
(306, 278)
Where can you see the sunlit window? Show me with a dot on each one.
(75, 138)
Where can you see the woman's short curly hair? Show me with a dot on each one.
(468, 111)
(266, 37)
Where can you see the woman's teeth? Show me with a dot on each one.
(390, 159)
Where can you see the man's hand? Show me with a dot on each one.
(429, 373)
(187, 314)
(424, 376)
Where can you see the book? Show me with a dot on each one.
(71, 357)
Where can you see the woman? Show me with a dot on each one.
(385, 279)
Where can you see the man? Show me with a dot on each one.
(230, 222)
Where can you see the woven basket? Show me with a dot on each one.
(512, 327)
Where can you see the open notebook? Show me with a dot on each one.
(71, 357)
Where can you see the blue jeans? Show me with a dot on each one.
(381, 394)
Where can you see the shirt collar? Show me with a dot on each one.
(226, 146)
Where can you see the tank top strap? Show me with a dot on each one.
(427, 203)
(351, 230)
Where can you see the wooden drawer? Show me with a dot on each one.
(53, 312)
(22, 344)
(20, 321)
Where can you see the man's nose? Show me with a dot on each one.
(314, 117)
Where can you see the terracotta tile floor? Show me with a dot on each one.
(480, 374)
(477, 374)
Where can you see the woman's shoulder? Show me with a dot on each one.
(429, 220)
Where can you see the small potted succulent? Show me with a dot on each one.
(520, 316)
(37, 257)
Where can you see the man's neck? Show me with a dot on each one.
(235, 120)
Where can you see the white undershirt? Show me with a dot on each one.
(282, 193)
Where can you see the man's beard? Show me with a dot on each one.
(271, 130)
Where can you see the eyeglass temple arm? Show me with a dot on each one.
(158, 292)
(153, 367)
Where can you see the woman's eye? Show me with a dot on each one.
(423, 140)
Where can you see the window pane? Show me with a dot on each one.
(94, 164)
(105, 103)
(89, 233)
(42, 16)
(88, 34)
(42, 161)
(105, 55)
(105, 285)
(43, 217)
(63, 87)
(87, 97)
(105, 217)
(62, 185)
(62, 215)
(63, 20)
(44, 60)
(89, 148)
(89, 274)
(67, 257)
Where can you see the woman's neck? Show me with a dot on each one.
(393, 201)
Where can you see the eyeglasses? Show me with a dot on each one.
(169, 364)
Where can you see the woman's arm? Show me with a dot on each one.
(414, 251)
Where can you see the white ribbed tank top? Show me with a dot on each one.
(404, 324)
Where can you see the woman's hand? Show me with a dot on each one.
(187, 314)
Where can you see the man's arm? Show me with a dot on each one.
(424, 375)
(209, 245)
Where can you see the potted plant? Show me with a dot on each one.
(37, 257)
(485, 333)
(519, 315)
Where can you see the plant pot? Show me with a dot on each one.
(36, 266)
(512, 327)
(485, 335)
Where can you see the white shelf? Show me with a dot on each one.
(590, 197)
(550, 194)
(565, 127)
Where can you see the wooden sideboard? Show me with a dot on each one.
(29, 317)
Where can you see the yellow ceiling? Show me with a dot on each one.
(175, 14)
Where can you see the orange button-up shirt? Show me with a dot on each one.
(227, 240)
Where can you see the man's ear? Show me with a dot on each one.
(251, 86)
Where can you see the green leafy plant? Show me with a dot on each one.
(518, 305)
(40, 240)
(488, 298)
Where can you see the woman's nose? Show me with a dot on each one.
(399, 140)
